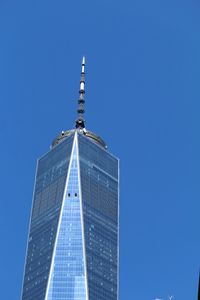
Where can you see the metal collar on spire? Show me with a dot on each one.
(80, 122)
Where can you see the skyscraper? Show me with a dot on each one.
(73, 241)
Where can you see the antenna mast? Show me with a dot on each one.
(80, 122)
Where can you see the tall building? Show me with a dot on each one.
(73, 241)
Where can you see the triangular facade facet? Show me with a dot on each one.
(67, 278)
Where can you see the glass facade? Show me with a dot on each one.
(48, 193)
(73, 240)
(68, 276)
(99, 182)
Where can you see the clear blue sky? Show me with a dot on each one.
(143, 98)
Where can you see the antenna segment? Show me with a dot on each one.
(80, 122)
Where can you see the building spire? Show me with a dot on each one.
(80, 122)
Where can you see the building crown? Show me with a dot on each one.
(80, 122)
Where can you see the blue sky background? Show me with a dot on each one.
(143, 98)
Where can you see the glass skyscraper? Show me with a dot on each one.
(73, 242)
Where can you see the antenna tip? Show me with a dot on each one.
(83, 61)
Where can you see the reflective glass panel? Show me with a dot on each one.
(48, 194)
(99, 183)
(68, 274)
